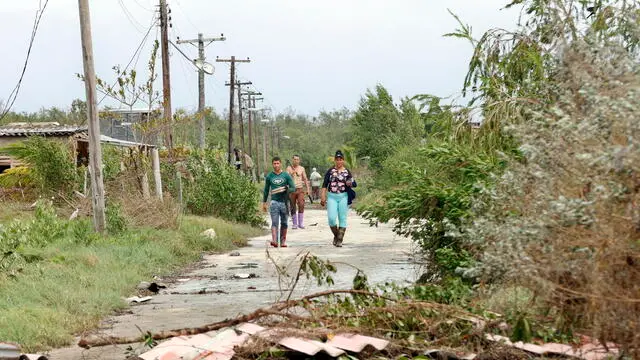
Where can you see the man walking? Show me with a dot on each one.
(279, 184)
(316, 181)
(299, 176)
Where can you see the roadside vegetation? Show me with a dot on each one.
(533, 210)
(523, 203)
(58, 278)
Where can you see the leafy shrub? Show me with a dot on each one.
(217, 189)
(17, 177)
(116, 221)
(380, 127)
(43, 229)
(52, 164)
(111, 158)
(431, 198)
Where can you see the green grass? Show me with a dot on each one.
(10, 210)
(65, 288)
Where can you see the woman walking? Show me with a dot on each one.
(337, 181)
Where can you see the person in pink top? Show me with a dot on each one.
(299, 176)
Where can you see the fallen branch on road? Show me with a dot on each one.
(276, 309)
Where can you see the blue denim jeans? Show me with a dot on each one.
(278, 212)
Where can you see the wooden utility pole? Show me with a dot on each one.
(200, 41)
(249, 126)
(241, 122)
(95, 150)
(251, 104)
(166, 78)
(232, 83)
(157, 178)
(264, 150)
(257, 122)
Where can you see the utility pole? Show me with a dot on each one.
(241, 123)
(264, 150)
(95, 150)
(200, 41)
(166, 78)
(257, 122)
(232, 83)
(250, 104)
(239, 85)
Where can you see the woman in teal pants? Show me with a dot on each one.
(334, 196)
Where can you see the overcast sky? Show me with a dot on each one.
(307, 55)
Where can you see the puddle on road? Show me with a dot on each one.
(242, 266)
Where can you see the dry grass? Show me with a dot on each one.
(153, 212)
(140, 211)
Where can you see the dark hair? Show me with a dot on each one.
(339, 154)
(276, 158)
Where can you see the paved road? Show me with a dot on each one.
(214, 289)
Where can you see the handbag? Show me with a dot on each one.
(351, 194)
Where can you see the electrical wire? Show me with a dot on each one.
(186, 78)
(218, 92)
(143, 7)
(266, 100)
(11, 99)
(135, 55)
(139, 27)
(187, 16)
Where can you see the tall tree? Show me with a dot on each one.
(379, 127)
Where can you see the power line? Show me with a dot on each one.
(220, 91)
(184, 74)
(16, 89)
(139, 27)
(154, 21)
(187, 16)
(143, 7)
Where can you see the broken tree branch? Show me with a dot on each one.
(96, 340)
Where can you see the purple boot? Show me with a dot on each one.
(301, 220)
(294, 217)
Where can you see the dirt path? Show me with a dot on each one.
(216, 290)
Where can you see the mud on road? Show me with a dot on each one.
(223, 286)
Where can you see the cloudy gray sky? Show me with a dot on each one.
(307, 55)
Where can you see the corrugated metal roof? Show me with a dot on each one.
(131, 111)
(588, 351)
(54, 130)
(219, 345)
(112, 141)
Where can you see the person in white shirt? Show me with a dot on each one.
(316, 181)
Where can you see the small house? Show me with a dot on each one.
(16, 132)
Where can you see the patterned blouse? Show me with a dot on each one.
(336, 181)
